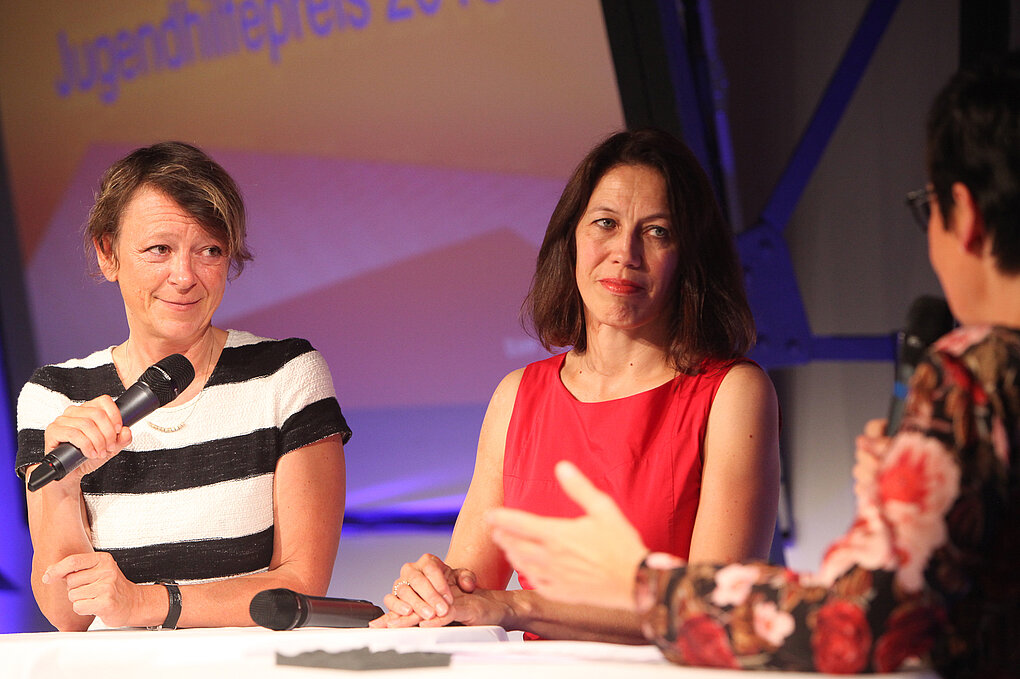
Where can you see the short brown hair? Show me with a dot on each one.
(709, 316)
(186, 175)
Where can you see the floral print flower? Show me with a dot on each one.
(772, 624)
(733, 584)
(926, 570)
(918, 483)
(703, 641)
(959, 340)
(909, 635)
(866, 544)
(842, 638)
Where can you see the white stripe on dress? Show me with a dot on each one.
(233, 409)
(229, 509)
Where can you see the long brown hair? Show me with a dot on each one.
(709, 316)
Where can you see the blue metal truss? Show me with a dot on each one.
(671, 77)
(784, 332)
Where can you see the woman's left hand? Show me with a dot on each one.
(480, 607)
(424, 591)
(96, 586)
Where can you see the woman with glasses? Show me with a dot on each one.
(928, 570)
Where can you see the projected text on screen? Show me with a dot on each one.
(223, 28)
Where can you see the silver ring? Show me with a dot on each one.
(398, 584)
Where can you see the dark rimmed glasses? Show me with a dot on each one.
(920, 206)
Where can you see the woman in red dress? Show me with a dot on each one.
(638, 277)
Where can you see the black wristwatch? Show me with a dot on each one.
(173, 614)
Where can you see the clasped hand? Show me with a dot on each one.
(429, 593)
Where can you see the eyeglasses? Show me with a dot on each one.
(920, 206)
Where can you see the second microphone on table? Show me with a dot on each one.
(284, 609)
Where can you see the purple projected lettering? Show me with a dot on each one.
(398, 10)
(224, 28)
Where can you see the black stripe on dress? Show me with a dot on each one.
(215, 461)
(197, 559)
(30, 449)
(236, 364)
(194, 466)
(80, 384)
(251, 361)
(306, 425)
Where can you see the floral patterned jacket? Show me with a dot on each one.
(929, 571)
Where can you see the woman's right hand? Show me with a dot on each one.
(95, 428)
(423, 592)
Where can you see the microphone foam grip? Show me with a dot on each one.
(277, 609)
(928, 319)
(168, 377)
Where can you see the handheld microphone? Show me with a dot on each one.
(928, 319)
(283, 609)
(160, 384)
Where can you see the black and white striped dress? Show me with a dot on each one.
(195, 504)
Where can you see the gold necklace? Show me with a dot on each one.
(167, 430)
(194, 402)
(180, 425)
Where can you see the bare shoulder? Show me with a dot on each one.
(740, 483)
(747, 381)
(748, 373)
(506, 391)
(497, 416)
(746, 395)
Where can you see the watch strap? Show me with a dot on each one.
(173, 613)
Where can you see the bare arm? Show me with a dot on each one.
(469, 587)
(740, 482)
(531, 611)
(471, 546)
(736, 509)
(425, 587)
(309, 497)
(309, 492)
(58, 505)
(56, 512)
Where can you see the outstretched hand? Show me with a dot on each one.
(592, 559)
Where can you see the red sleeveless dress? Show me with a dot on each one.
(644, 450)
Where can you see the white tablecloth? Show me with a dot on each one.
(251, 653)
